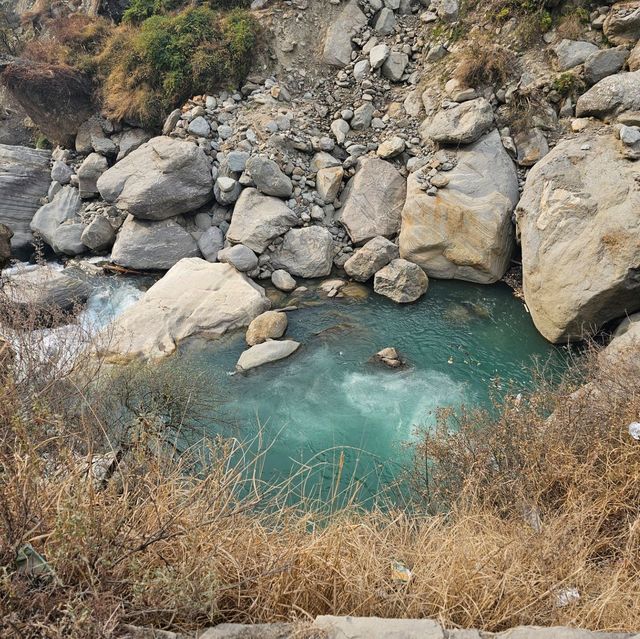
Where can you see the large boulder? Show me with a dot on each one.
(571, 53)
(265, 353)
(45, 289)
(64, 207)
(578, 222)
(464, 231)
(89, 172)
(144, 245)
(305, 252)
(461, 124)
(160, 179)
(622, 24)
(194, 298)
(603, 63)
(24, 181)
(611, 97)
(375, 254)
(258, 219)
(337, 44)
(372, 201)
(401, 281)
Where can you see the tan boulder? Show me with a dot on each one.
(269, 325)
(464, 231)
(578, 223)
(195, 297)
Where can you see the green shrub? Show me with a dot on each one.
(140, 10)
(148, 71)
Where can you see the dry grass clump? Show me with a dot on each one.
(484, 64)
(137, 525)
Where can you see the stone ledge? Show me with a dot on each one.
(329, 627)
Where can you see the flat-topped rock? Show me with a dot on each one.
(265, 353)
(195, 297)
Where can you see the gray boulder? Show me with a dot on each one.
(258, 219)
(45, 287)
(160, 179)
(99, 234)
(394, 66)
(464, 230)
(65, 206)
(129, 140)
(571, 53)
(305, 252)
(622, 24)
(226, 190)
(531, 145)
(265, 353)
(243, 258)
(578, 223)
(152, 245)
(401, 281)
(194, 298)
(372, 201)
(268, 177)
(283, 281)
(611, 97)
(604, 63)
(385, 22)
(89, 171)
(68, 239)
(337, 43)
(199, 127)
(210, 243)
(462, 124)
(369, 259)
(362, 117)
(24, 181)
(61, 172)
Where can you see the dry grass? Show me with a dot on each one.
(517, 508)
(484, 64)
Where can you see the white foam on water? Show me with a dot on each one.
(402, 399)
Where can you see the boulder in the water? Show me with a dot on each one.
(265, 353)
(389, 357)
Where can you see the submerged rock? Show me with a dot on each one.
(389, 357)
(578, 222)
(265, 353)
(162, 178)
(194, 298)
(401, 281)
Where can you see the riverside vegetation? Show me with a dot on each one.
(238, 153)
